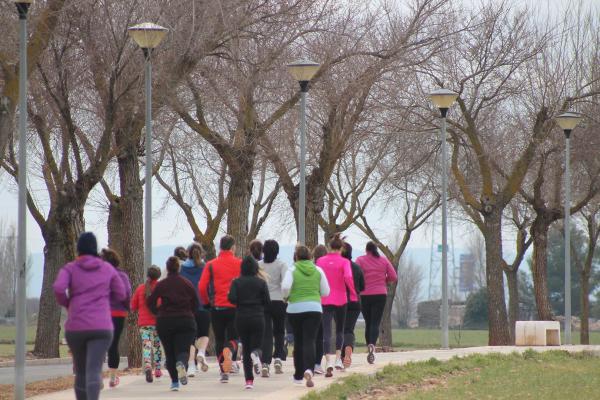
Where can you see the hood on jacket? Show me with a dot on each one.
(306, 267)
(89, 263)
(192, 269)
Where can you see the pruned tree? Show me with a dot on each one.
(410, 277)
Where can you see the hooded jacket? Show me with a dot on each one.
(120, 308)
(86, 288)
(339, 275)
(304, 285)
(192, 273)
(250, 294)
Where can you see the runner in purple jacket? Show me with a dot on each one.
(85, 287)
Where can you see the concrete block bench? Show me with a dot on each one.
(537, 333)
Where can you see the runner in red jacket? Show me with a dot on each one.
(214, 287)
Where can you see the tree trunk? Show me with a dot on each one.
(585, 308)
(539, 270)
(62, 230)
(385, 329)
(312, 227)
(238, 199)
(132, 238)
(499, 334)
(6, 124)
(513, 300)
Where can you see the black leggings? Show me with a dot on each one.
(223, 322)
(305, 326)
(176, 335)
(274, 329)
(319, 344)
(351, 316)
(113, 350)
(89, 350)
(337, 314)
(251, 330)
(372, 310)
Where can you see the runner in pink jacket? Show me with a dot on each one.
(339, 275)
(378, 272)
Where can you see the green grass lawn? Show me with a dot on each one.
(550, 375)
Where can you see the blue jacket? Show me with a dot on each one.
(192, 273)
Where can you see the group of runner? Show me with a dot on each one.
(248, 303)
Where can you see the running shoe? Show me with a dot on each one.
(339, 365)
(158, 374)
(114, 381)
(308, 375)
(235, 367)
(191, 371)
(265, 371)
(255, 362)
(149, 377)
(249, 384)
(227, 360)
(175, 387)
(371, 355)
(329, 370)
(181, 373)
(298, 382)
(347, 356)
(202, 361)
(278, 366)
(318, 369)
(224, 378)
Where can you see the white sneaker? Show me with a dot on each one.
(235, 368)
(192, 370)
(329, 370)
(202, 362)
(255, 362)
(299, 382)
(308, 375)
(318, 369)
(339, 365)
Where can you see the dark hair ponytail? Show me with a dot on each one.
(153, 274)
(195, 252)
(336, 243)
(372, 249)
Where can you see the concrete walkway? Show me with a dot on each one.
(280, 387)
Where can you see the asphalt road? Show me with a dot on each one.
(36, 373)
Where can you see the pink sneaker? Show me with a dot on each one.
(158, 374)
(114, 382)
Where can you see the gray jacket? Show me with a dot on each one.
(275, 274)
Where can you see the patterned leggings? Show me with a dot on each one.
(150, 342)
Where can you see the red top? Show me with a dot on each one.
(225, 268)
(138, 302)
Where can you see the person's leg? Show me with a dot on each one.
(183, 335)
(267, 348)
(328, 314)
(113, 351)
(340, 321)
(278, 319)
(310, 329)
(366, 312)
(295, 321)
(231, 334)
(219, 330)
(376, 315)
(157, 351)
(244, 329)
(349, 337)
(77, 342)
(165, 334)
(319, 347)
(96, 352)
(201, 344)
(147, 345)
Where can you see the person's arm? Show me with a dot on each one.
(135, 301)
(266, 295)
(348, 279)
(127, 284)
(283, 272)
(203, 285)
(324, 288)
(232, 296)
(391, 275)
(361, 281)
(152, 300)
(118, 293)
(194, 301)
(288, 281)
(61, 285)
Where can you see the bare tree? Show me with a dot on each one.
(410, 278)
(8, 275)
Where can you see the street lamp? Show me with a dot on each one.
(148, 36)
(303, 71)
(443, 99)
(21, 303)
(568, 121)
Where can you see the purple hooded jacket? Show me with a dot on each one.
(124, 305)
(86, 287)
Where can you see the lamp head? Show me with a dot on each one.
(303, 70)
(147, 35)
(568, 121)
(23, 7)
(443, 98)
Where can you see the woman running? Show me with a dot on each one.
(181, 253)
(118, 312)
(275, 270)
(256, 249)
(147, 325)
(378, 272)
(175, 322)
(339, 275)
(353, 310)
(86, 287)
(192, 270)
(318, 252)
(304, 285)
(250, 294)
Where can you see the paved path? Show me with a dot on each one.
(34, 373)
(279, 387)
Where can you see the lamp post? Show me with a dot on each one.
(21, 301)
(443, 99)
(303, 71)
(568, 121)
(148, 36)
